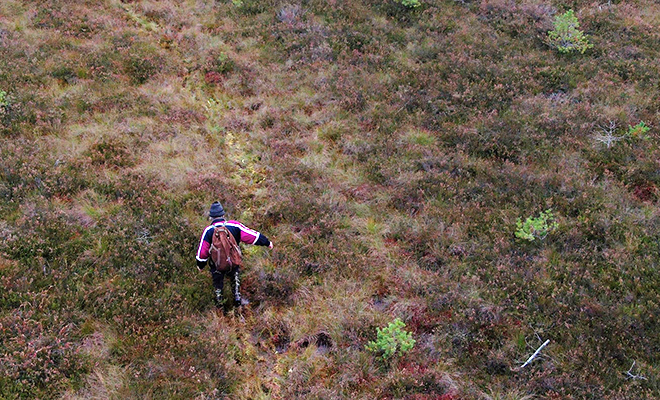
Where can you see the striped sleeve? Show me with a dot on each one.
(249, 236)
(204, 245)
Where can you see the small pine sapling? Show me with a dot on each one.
(639, 131)
(391, 340)
(536, 228)
(411, 3)
(4, 104)
(566, 37)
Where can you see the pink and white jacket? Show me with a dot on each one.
(241, 233)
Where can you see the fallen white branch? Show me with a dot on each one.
(630, 375)
(608, 137)
(529, 360)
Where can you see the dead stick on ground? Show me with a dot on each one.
(535, 354)
(633, 377)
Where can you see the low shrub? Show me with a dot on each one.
(536, 227)
(110, 153)
(566, 37)
(43, 355)
(639, 131)
(140, 69)
(392, 340)
(4, 102)
(141, 61)
(411, 3)
(4, 110)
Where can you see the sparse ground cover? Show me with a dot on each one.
(389, 149)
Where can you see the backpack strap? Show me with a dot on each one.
(224, 225)
(236, 246)
(213, 246)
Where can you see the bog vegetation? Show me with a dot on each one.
(388, 147)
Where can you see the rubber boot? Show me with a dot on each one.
(239, 301)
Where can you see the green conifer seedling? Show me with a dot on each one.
(566, 36)
(411, 3)
(392, 340)
(536, 228)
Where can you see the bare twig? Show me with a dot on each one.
(529, 360)
(608, 137)
(144, 236)
(630, 375)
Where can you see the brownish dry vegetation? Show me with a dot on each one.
(388, 152)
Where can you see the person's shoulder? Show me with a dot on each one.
(207, 230)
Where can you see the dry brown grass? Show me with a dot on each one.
(387, 152)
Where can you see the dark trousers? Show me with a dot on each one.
(234, 278)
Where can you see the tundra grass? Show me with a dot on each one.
(388, 153)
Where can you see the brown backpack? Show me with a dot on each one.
(225, 252)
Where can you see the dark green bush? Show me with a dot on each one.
(141, 61)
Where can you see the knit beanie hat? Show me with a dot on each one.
(216, 210)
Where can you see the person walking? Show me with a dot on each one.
(241, 234)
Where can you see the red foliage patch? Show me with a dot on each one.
(645, 192)
(213, 78)
(184, 117)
